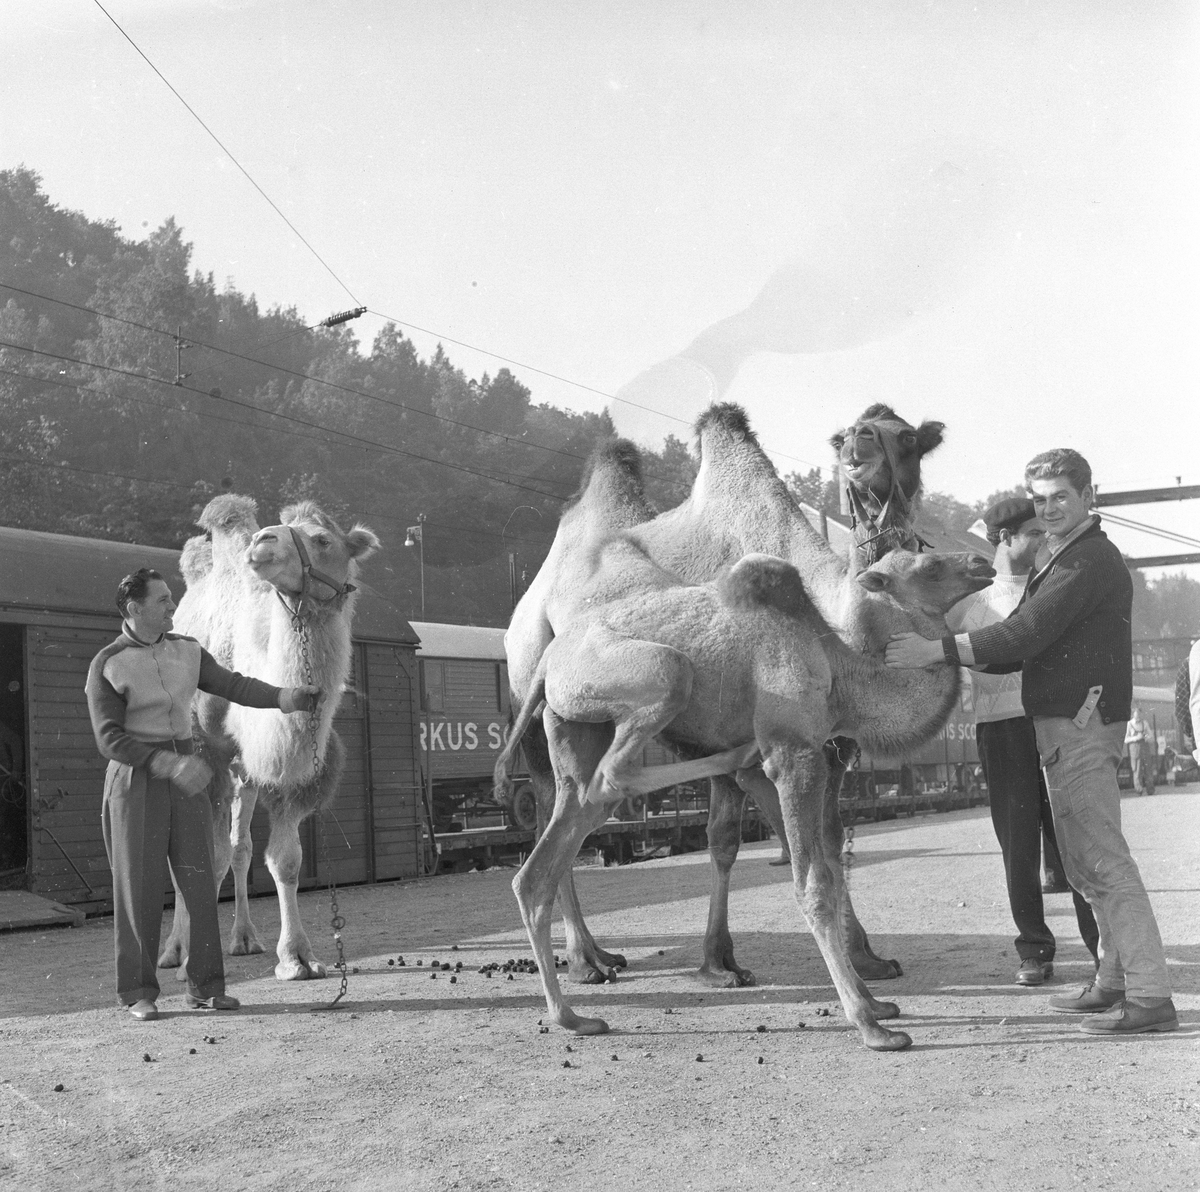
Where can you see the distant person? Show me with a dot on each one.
(1070, 635)
(1139, 740)
(1187, 701)
(156, 812)
(1008, 748)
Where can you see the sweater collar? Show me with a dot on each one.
(1082, 530)
(137, 641)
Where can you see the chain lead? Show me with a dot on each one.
(336, 921)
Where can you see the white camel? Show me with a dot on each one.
(276, 603)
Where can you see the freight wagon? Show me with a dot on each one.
(57, 611)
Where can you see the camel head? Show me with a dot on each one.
(274, 557)
(881, 451)
(928, 583)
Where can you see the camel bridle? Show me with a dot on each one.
(890, 520)
(305, 601)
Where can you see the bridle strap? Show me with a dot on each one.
(311, 575)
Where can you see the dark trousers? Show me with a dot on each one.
(150, 823)
(1021, 814)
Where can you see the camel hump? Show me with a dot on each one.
(616, 461)
(763, 581)
(196, 559)
(729, 417)
(229, 511)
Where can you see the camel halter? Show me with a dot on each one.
(890, 520)
(311, 575)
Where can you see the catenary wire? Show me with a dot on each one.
(227, 153)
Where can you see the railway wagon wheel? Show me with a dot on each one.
(523, 809)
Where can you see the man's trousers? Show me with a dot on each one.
(1008, 752)
(150, 823)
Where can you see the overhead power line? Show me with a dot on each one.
(291, 372)
(299, 235)
(328, 430)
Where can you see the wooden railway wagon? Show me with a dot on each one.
(56, 611)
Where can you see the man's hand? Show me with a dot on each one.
(911, 651)
(299, 699)
(185, 770)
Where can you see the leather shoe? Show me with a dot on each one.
(1131, 1017)
(1091, 999)
(145, 1010)
(1034, 972)
(218, 1001)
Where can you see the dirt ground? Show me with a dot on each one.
(418, 1085)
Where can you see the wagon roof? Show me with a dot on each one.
(59, 573)
(459, 641)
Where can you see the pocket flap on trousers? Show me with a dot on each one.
(1046, 760)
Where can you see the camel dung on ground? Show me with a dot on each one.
(743, 663)
(275, 603)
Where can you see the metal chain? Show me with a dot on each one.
(336, 921)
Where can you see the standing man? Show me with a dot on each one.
(1008, 748)
(156, 809)
(1139, 736)
(1070, 636)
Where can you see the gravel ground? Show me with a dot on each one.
(418, 1085)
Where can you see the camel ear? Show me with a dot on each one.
(361, 542)
(929, 436)
(874, 581)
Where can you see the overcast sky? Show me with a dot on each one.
(982, 214)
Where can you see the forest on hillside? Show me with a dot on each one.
(132, 390)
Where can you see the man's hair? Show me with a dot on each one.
(1062, 461)
(135, 587)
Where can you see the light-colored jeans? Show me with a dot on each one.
(1081, 777)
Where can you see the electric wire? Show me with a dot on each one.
(227, 153)
(497, 477)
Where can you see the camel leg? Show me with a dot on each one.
(725, 802)
(800, 776)
(866, 963)
(573, 748)
(243, 938)
(284, 857)
(587, 962)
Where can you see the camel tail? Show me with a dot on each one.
(502, 774)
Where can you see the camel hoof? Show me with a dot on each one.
(245, 943)
(872, 968)
(172, 956)
(587, 974)
(725, 978)
(885, 1010)
(586, 1026)
(298, 970)
(887, 1040)
(603, 960)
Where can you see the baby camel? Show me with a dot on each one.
(730, 671)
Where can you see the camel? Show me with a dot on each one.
(879, 458)
(276, 603)
(610, 498)
(738, 504)
(736, 669)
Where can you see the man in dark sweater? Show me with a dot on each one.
(1070, 638)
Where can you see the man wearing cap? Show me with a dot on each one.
(1070, 636)
(1008, 748)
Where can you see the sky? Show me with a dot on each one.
(981, 214)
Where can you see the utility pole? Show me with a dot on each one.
(416, 537)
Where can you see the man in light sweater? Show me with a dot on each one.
(156, 809)
(1007, 745)
(1070, 637)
